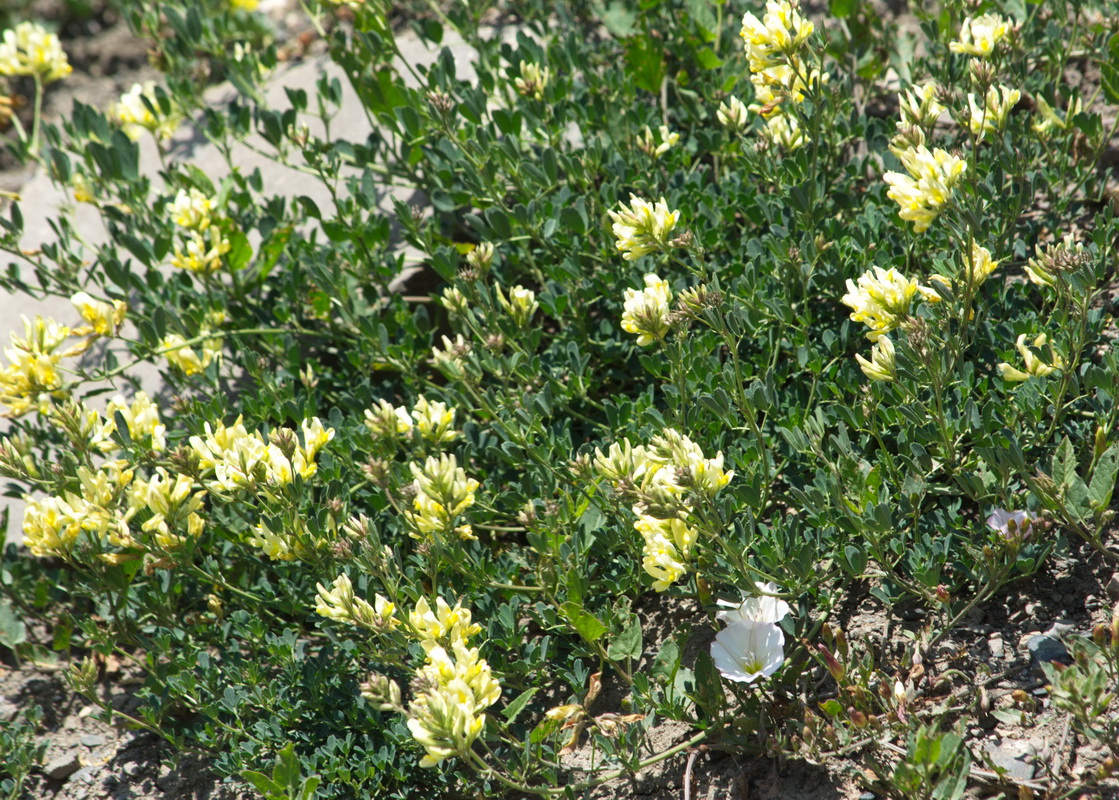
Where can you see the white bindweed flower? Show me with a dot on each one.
(1011, 524)
(765, 608)
(747, 650)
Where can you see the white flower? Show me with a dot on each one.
(881, 366)
(747, 650)
(29, 49)
(1011, 524)
(979, 36)
(765, 608)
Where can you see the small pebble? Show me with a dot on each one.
(1113, 587)
(92, 740)
(1047, 648)
(996, 647)
(62, 767)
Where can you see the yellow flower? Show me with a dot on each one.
(104, 318)
(173, 508)
(668, 545)
(244, 5)
(30, 50)
(340, 604)
(533, 80)
(443, 625)
(192, 210)
(882, 299)
(647, 145)
(1035, 367)
(928, 187)
(979, 35)
(881, 366)
(646, 311)
(784, 131)
(1051, 119)
(183, 357)
(642, 228)
(443, 493)
(919, 106)
(386, 422)
(520, 305)
(141, 416)
(991, 116)
(776, 37)
(33, 377)
(135, 116)
(203, 253)
(732, 114)
(434, 422)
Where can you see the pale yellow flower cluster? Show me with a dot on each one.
(647, 311)
(979, 35)
(185, 358)
(882, 366)
(442, 625)
(240, 460)
(174, 506)
(1051, 119)
(432, 422)
(927, 189)
(341, 605)
(882, 299)
(33, 377)
(642, 227)
(142, 418)
(443, 493)
(135, 116)
(520, 305)
(452, 357)
(1052, 259)
(975, 269)
(29, 49)
(51, 526)
(651, 147)
(533, 80)
(102, 317)
(991, 116)
(733, 114)
(919, 106)
(778, 72)
(665, 477)
(205, 244)
(1035, 367)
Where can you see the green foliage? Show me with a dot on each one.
(20, 753)
(508, 184)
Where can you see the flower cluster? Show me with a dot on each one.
(520, 305)
(1034, 366)
(1011, 524)
(1054, 259)
(185, 358)
(882, 299)
(533, 80)
(991, 116)
(927, 189)
(443, 493)
(52, 525)
(33, 377)
(979, 35)
(778, 72)
(142, 418)
(647, 311)
(664, 479)
(102, 317)
(341, 605)
(752, 644)
(204, 243)
(174, 507)
(136, 112)
(733, 114)
(881, 366)
(432, 422)
(919, 106)
(240, 460)
(29, 49)
(642, 227)
(650, 147)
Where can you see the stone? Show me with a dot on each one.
(61, 768)
(92, 740)
(1113, 587)
(1014, 756)
(995, 645)
(1044, 648)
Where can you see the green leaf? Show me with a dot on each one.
(240, 251)
(1064, 464)
(666, 662)
(704, 18)
(583, 621)
(263, 784)
(628, 643)
(646, 63)
(518, 705)
(1103, 479)
(286, 772)
(707, 59)
(12, 630)
(843, 8)
(1109, 72)
(617, 19)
